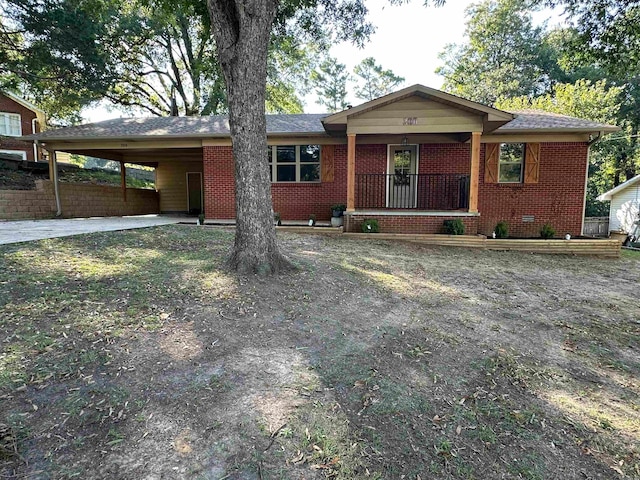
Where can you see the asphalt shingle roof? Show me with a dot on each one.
(218, 125)
(540, 120)
(215, 125)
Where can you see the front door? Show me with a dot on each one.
(402, 180)
(194, 188)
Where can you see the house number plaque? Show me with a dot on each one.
(410, 121)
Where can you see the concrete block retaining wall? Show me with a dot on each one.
(77, 200)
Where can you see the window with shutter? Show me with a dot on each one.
(492, 152)
(532, 163)
(327, 157)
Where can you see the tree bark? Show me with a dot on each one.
(242, 29)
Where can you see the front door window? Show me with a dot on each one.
(402, 178)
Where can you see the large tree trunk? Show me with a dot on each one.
(242, 29)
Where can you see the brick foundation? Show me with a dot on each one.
(77, 200)
(410, 224)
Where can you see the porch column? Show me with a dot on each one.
(123, 181)
(351, 172)
(53, 176)
(475, 172)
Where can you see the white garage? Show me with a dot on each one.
(625, 205)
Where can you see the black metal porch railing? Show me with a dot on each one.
(412, 191)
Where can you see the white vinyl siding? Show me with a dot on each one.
(10, 124)
(624, 209)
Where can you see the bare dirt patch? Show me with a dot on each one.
(138, 355)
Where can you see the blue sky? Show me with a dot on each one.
(407, 40)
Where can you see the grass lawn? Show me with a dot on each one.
(130, 355)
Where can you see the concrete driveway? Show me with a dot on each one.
(27, 230)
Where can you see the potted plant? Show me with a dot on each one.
(337, 213)
(338, 209)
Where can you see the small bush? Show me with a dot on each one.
(502, 230)
(454, 227)
(277, 219)
(547, 231)
(370, 226)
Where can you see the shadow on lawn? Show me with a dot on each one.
(363, 364)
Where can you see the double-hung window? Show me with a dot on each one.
(10, 124)
(294, 163)
(511, 161)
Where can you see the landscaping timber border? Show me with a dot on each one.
(580, 246)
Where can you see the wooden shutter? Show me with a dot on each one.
(532, 163)
(327, 156)
(491, 158)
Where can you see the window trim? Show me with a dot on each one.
(6, 116)
(521, 163)
(16, 152)
(273, 164)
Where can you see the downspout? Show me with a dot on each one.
(56, 191)
(586, 177)
(35, 144)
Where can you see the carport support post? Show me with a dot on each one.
(53, 176)
(123, 180)
(475, 172)
(351, 172)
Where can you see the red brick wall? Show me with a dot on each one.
(26, 115)
(410, 224)
(557, 198)
(294, 201)
(448, 158)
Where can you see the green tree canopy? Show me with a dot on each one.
(501, 56)
(608, 33)
(373, 80)
(138, 54)
(330, 83)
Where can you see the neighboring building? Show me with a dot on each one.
(18, 118)
(625, 205)
(411, 159)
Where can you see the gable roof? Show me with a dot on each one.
(497, 121)
(426, 92)
(40, 114)
(22, 102)
(623, 186)
(529, 121)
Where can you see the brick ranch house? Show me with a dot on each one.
(17, 118)
(410, 159)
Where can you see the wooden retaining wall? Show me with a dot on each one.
(605, 248)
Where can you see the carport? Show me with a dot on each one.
(171, 145)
